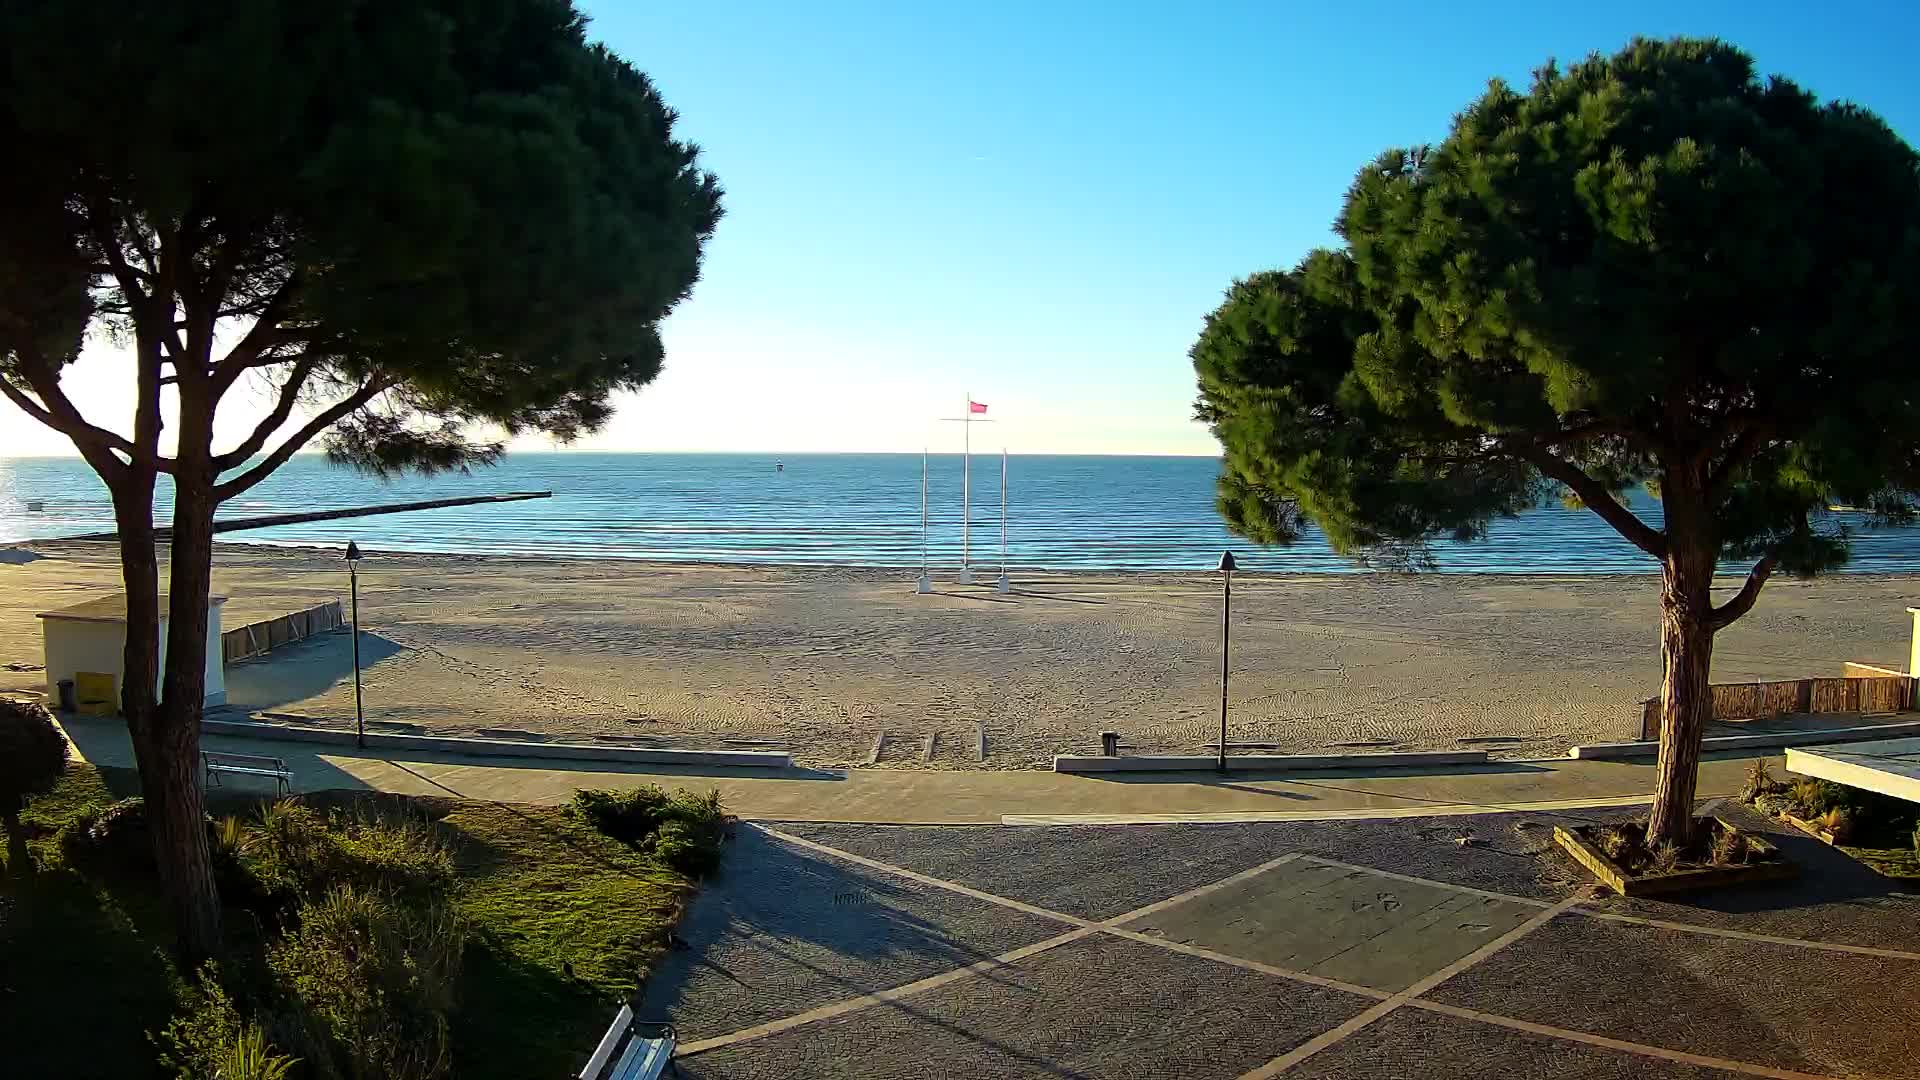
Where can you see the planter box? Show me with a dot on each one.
(1807, 827)
(1617, 878)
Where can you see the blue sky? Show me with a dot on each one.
(1037, 202)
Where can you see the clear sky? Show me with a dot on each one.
(1037, 202)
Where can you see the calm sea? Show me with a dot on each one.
(1106, 513)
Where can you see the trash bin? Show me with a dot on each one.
(69, 701)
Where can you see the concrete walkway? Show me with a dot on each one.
(963, 797)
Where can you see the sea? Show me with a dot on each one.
(1062, 513)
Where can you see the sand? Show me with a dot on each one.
(823, 661)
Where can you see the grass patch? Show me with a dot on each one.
(561, 923)
(568, 920)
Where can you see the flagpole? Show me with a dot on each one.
(1003, 586)
(966, 490)
(926, 580)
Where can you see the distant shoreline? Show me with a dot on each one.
(984, 573)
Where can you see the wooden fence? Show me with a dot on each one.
(1863, 689)
(255, 639)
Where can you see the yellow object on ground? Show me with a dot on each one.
(95, 692)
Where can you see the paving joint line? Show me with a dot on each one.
(1355, 1024)
(1637, 920)
(1622, 1045)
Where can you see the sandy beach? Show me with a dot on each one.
(822, 661)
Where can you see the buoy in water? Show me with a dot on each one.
(779, 466)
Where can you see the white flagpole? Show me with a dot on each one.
(926, 580)
(966, 491)
(1003, 586)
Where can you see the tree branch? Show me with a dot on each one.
(332, 415)
(1743, 600)
(1597, 499)
(262, 335)
(58, 413)
(1745, 446)
(282, 409)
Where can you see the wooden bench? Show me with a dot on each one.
(247, 765)
(632, 1050)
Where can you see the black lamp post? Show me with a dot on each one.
(353, 577)
(1227, 567)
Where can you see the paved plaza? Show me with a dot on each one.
(1432, 948)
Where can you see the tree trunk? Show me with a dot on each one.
(180, 832)
(166, 749)
(1686, 693)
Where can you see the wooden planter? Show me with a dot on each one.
(1616, 877)
(1807, 827)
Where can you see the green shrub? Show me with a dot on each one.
(117, 837)
(1760, 782)
(294, 853)
(682, 830)
(251, 1057)
(33, 755)
(195, 1042)
(370, 983)
(210, 1040)
(631, 817)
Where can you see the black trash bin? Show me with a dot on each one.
(69, 700)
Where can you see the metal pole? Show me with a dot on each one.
(359, 715)
(926, 579)
(1003, 511)
(966, 490)
(1226, 605)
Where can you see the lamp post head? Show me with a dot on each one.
(353, 552)
(1227, 565)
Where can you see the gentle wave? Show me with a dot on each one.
(1085, 513)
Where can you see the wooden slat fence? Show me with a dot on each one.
(1863, 689)
(255, 639)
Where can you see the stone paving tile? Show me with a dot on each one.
(1098, 1009)
(784, 930)
(1766, 1004)
(1410, 1044)
(1338, 923)
(1835, 899)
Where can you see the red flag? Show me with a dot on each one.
(975, 407)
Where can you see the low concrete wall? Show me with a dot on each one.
(1647, 748)
(746, 759)
(1070, 763)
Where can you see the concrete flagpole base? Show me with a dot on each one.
(926, 583)
(1003, 586)
(966, 577)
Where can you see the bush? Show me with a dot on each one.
(370, 982)
(682, 830)
(117, 837)
(33, 755)
(210, 1040)
(293, 853)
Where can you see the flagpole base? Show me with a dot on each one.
(1003, 586)
(926, 584)
(966, 576)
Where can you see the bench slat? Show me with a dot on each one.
(652, 1063)
(246, 771)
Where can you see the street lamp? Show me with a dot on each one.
(353, 577)
(1227, 567)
